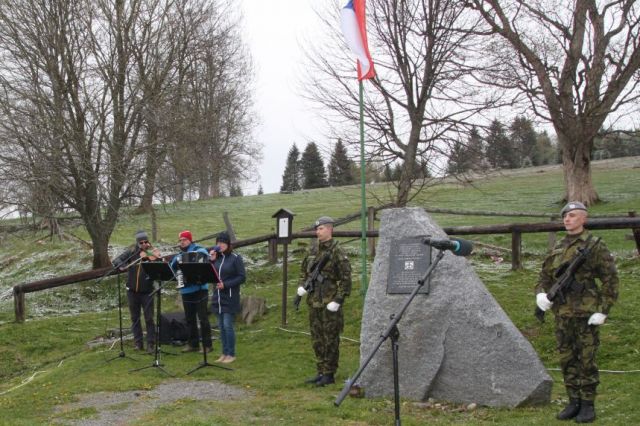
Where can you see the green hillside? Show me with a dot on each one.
(47, 363)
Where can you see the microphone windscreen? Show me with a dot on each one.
(464, 247)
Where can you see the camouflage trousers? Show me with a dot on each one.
(577, 345)
(326, 327)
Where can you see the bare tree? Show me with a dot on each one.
(164, 40)
(70, 109)
(213, 145)
(575, 62)
(424, 93)
(95, 95)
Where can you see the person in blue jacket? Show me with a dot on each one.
(194, 298)
(229, 268)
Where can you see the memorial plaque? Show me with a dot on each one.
(409, 259)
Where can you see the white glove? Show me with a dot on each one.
(597, 319)
(542, 301)
(333, 306)
(301, 291)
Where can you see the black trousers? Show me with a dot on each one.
(195, 308)
(144, 302)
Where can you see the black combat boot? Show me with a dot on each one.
(326, 379)
(314, 380)
(570, 411)
(587, 412)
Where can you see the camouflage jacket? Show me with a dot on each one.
(585, 296)
(336, 284)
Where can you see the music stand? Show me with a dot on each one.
(201, 273)
(159, 272)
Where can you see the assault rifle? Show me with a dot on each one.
(315, 277)
(565, 276)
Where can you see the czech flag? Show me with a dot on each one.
(353, 22)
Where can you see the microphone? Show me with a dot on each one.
(457, 246)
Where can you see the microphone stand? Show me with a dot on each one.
(391, 331)
(111, 271)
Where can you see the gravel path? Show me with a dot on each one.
(119, 408)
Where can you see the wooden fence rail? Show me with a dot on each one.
(515, 229)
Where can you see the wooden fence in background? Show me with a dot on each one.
(515, 229)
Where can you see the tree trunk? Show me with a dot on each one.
(576, 165)
(155, 157)
(215, 183)
(409, 167)
(152, 163)
(100, 240)
(147, 197)
(404, 186)
(179, 188)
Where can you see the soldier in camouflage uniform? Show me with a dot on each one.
(587, 306)
(326, 319)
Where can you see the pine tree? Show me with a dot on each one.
(340, 167)
(292, 173)
(260, 190)
(235, 190)
(545, 152)
(458, 159)
(500, 153)
(387, 173)
(312, 168)
(475, 150)
(467, 157)
(523, 138)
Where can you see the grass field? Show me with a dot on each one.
(46, 361)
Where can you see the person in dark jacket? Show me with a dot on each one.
(139, 289)
(194, 298)
(229, 268)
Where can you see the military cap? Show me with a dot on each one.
(572, 205)
(323, 220)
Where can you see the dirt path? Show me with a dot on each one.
(121, 408)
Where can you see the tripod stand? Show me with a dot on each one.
(392, 332)
(121, 354)
(119, 264)
(159, 272)
(196, 272)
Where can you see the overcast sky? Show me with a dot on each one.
(274, 32)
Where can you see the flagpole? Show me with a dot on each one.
(363, 211)
(353, 21)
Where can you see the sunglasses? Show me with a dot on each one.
(144, 242)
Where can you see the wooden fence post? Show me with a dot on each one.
(273, 251)
(18, 304)
(516, 250)
(227, 223)
(285, 272)
(636, 232)
(552, 236)
(371, 226)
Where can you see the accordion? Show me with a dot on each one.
(191, 257)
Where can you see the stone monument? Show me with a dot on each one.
(456, 343)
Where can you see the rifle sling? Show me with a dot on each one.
(576, 262)
(323, 260)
